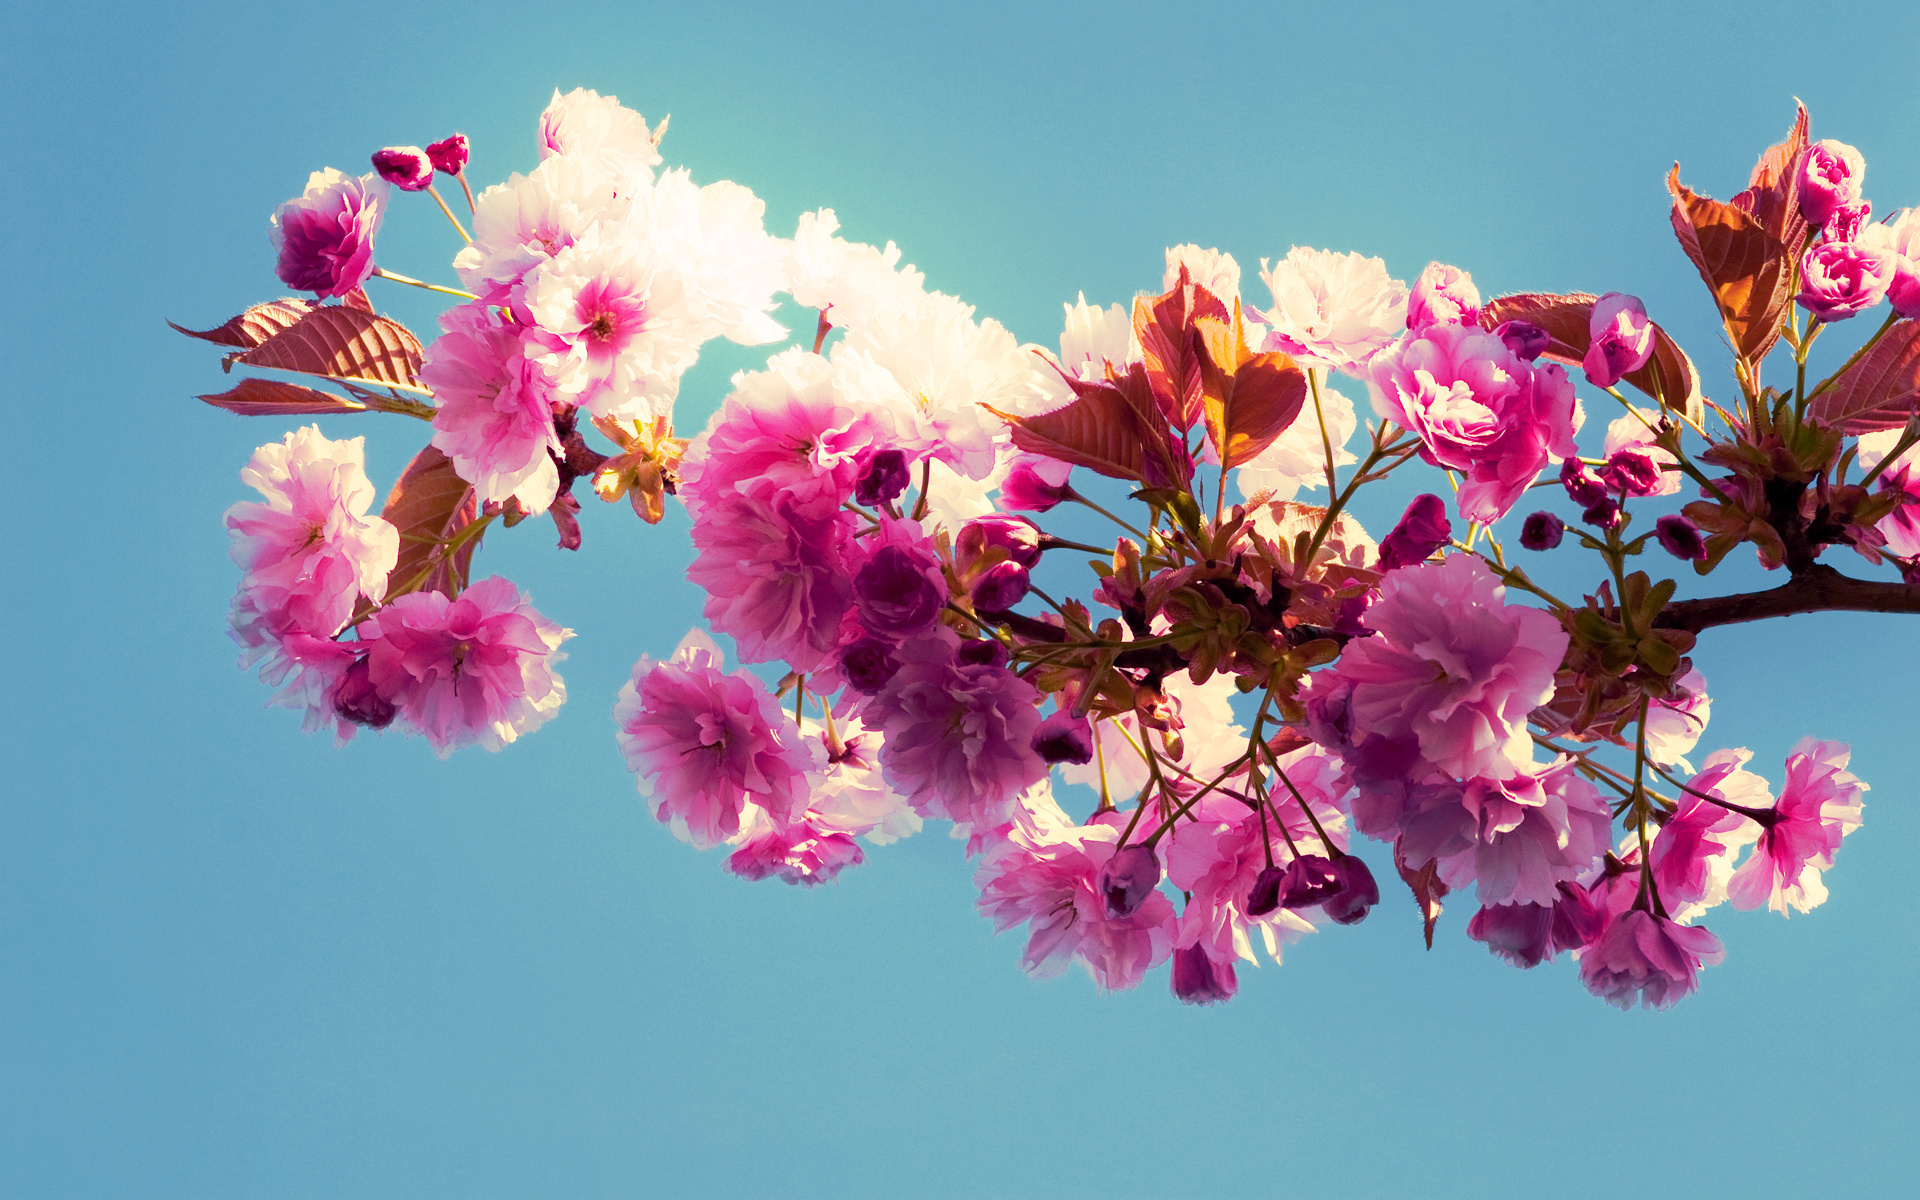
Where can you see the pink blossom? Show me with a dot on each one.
(1527, 935)
(1675, 722)
(1819, 804)
(1622, 339)
(1692, 855)
(1647, 958)
(1900, 238)
(310, 549)
(325, 235)
(521, 224)
(1423, 528)
(308, 673)
(1479, 409)
(1517, 837)
(405, 167)
(899, 589)
(1064, 738)
(476, 668)
(1830, 176)
(711, 750)
(776, 577)
(1842, 279)
(1049, 883)
(958, 735)
(495, 419)
(1443, 295)
(1453, 666)
(1901, 527)
(1036, 484)
(1197, 979)
(802, 853)
(1634, 434)
(1333, 310)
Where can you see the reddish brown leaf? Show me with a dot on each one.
(1427, 892)
(1171, 349)
(343, 343)
(428, 505)
(1669, 376)
(255, 325)
(357, 298)
(1880, 391)
(1773, 193)
(1098, 431)
(273, 398)
(1745, 267)
(1267, 394)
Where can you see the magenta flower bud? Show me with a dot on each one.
(1028, 486)
(1308, 880)
(1423, 528)
(1265, 896)
(1064, 737)
(1583, 486)
(1197, 980)
(1519, 933)
(1443, 295)
(867, 665)
(1128, 878)
(883, 476)
(1357, 895)
(1841, 279)
(1604, 513)
(1000, 587)
(450, 156)
(1577, 920)
(325, 235)
(1847, 221)
(1632, 471)
(982, 652)
(1622, 339)
(1541, 531)
(899, 592)
(1527, 340)
(1680, 538)
(1018, 537)
(1830, 176)
(355, 698)
(405, 167)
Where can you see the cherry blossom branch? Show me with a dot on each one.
(1815, 588)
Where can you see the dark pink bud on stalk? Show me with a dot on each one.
(867, 665)
(1603, 514)
(1527, 340)
(982, 652)
(1519, 933)
(1443, 295)
(1196, 980)
(1583, 486)
(1028, 486)
(405, 167)
(1000, 587)
(1017, 537)
(1842, 279)
(1541, 531)
(1830, 177)
(1847, 221)
(899, 592)
(1680, 538)
(1577, 920)
(356, 699)
(1423, 528)
(1265, 896)
(1128, 878)
(1622, 339)
(883, 476)
(1064, 737)
(450, 156)
(1631, 471)
(1357, 895)
(1307, 881)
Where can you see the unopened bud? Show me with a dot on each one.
(405, 167)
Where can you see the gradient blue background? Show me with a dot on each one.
(237, 962)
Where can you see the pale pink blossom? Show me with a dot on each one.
(1647, 958)
(1819, 805)
(958, 735)
(1901, 527)
(1692, 854)
(776, 575)
(324, 236)
(1453, 667)
(802, 852)
(585, 123)
(307, 673)
(1830, 177)
(474, 669)
(712, 750)
(521, 224)
(1202, 714)
(1443, 295)
(1298, 457)
(495, 419)
(1218, 856)
(730, 265)
(1333, 310)
(1675, 723)
(1900, 238)
(1210, 268)
(850, 282)
(1479, 409)
(310, 549)
(849, 795)
(1092, 339)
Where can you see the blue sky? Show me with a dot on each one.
(235, 961)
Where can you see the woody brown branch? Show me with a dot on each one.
(1814, 588)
